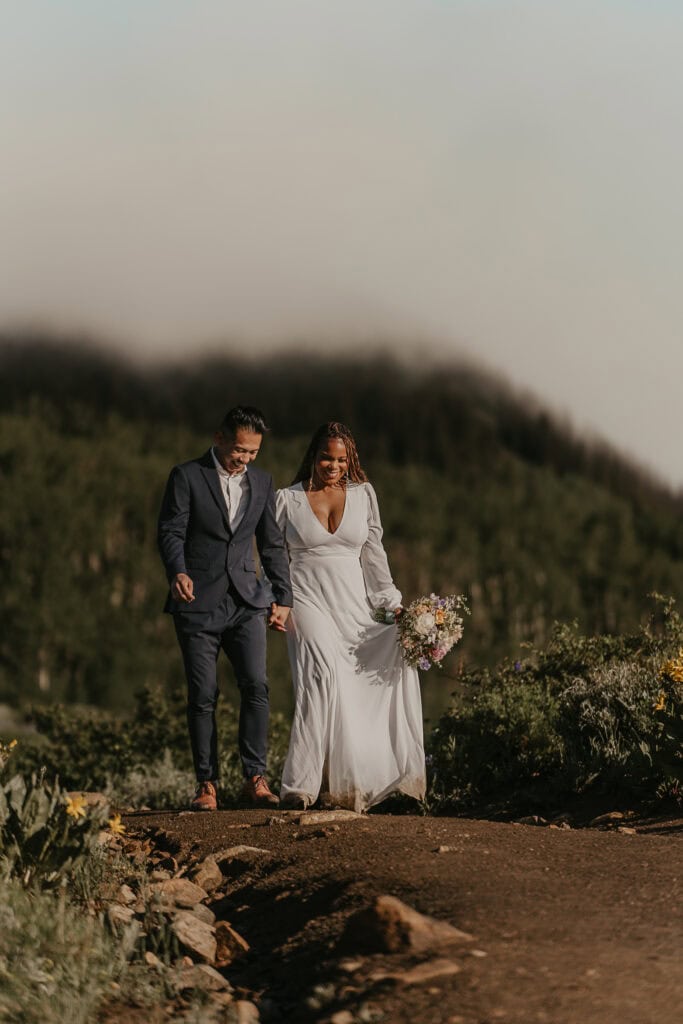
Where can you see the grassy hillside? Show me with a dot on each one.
(480, 491)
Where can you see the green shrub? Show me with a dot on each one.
(44, 833)
(579, 713)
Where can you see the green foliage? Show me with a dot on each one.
(138, 760)
(56, 963)
(578, 714)
(43, 834)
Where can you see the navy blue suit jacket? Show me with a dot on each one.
(194, 537)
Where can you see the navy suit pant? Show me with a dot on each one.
(241, 632)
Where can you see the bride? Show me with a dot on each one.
(357, 729)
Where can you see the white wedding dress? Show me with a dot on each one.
(357, 729)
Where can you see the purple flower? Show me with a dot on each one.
(424, 664)
(518, 666)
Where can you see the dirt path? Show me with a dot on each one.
(576, 926)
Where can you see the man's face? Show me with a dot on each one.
(234, 453)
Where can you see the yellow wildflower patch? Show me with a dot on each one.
(116, 825)
(661, 702)
(673, 669)
(76, 807)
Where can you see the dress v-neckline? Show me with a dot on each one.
(330, 533)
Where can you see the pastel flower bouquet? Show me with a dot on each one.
(428, 628)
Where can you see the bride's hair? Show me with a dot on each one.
(324, 432)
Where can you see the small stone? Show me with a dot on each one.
(179, 892)
(152, 960)
(390, 926)
(126, 896)
(195, 935)
(203, 913)
(444, 849)
(237, 858)
(478, 953)
(119, 916)
(607, 819)
(531, 819)
(626, 830)
(214, 981)
(323, 817)
(350, 966)
(247, 1013)
(159, 875)
(208, 875)
(273, 819)
(229, 944)
(429, 971)
(342, 1017)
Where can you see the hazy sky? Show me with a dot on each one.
(501, 179)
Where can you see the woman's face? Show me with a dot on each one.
(331, 462)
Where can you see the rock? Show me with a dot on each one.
(159, 875)
(324, 817)
(178, 892)
(273, 819)
(342, 1017)
(126, 896)
(195, 935)
(531, 819)
(214, 981)
(390, 926)
(237, 858)
(229, 944)
(607, 819)
(429, 971)
(203, 913)
(208, 875)
(152, 960)
(119, 916)
(626, 830)
(564, 826)
(445, 849)
(350, 966)
(247, 1013)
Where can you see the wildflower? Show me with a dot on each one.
(76, 806)
(439, 617)
(12, 744)
(661, 703)
(116, 825)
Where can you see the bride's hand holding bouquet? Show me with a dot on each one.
(428, 628)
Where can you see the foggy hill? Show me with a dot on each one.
(482, 491)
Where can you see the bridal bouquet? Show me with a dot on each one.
(428, 628)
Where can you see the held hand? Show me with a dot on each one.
(278, 617)
(182, 588)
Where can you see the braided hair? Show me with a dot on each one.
(324, 432)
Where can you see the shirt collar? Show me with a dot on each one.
(223, 471)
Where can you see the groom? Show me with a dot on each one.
(213, 509)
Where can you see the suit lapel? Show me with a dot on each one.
(211, 476)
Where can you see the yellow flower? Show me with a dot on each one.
(116, 825)
(76, 807)
(661, 703)
(439, 616)
(673, 668)
(11, 745)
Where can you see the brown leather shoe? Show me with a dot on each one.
(256, 792)
(205, 797)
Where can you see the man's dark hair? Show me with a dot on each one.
(243, 417)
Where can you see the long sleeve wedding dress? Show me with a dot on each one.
(357, 729)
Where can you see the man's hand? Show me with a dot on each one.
(278, 617)
(182, 588)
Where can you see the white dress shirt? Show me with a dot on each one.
(235, 488)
